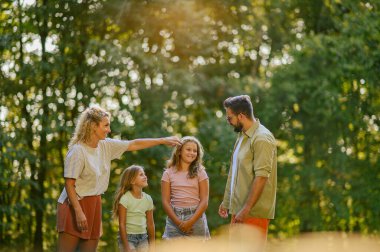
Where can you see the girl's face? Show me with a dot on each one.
(141, 179)
(101, 131)
(189, 152)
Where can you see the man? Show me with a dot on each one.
(250, 194)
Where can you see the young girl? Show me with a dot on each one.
(134, 209)
(185, 192)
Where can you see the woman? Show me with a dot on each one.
(86, 173)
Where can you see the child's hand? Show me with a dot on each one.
(152, 247)
(186, 227)
(127, 249)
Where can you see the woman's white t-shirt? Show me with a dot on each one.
(90, 167)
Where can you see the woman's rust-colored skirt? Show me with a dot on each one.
(92, 209)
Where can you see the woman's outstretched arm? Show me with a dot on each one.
(143, 143)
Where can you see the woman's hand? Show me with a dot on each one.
(80, 218)
(171, 141)
(81, 221)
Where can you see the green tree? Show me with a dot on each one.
(163, 68)
(329, 99)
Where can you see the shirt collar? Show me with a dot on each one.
(251, 131)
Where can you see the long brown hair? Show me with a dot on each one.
(126, 179)
(90, 117)
(175, 158)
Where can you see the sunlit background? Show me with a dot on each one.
(164, 68)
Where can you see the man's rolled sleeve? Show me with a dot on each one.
(263, 158)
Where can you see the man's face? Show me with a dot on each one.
(233, 120)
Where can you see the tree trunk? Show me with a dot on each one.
(39, 191)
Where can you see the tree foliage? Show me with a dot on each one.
(162, 68)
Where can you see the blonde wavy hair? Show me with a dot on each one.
(90, 117)
(126, 179)
(196, 165)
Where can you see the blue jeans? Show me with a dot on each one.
(137, 242)
(200, 227)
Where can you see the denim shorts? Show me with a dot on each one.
(137, 242)
(200, 228)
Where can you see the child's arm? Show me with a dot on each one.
(165, 196)
(122, 227)
(151, 228)
(186, 226)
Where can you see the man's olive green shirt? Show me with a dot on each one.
(257, 157)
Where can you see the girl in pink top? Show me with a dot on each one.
(185, 192)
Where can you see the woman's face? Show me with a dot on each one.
(102, 129)
(189, 152)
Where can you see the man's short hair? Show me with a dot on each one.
(240, 104)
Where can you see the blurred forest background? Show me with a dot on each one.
(312, 69)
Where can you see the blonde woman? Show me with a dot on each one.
(86, 172)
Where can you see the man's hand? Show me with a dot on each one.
(241, 215)
(223, 212)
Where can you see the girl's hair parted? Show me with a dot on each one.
(91, 116)
(175, 158)
(126, 179)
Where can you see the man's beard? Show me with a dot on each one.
(238, 128)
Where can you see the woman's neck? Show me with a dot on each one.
(93, 142)
(136, 192)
